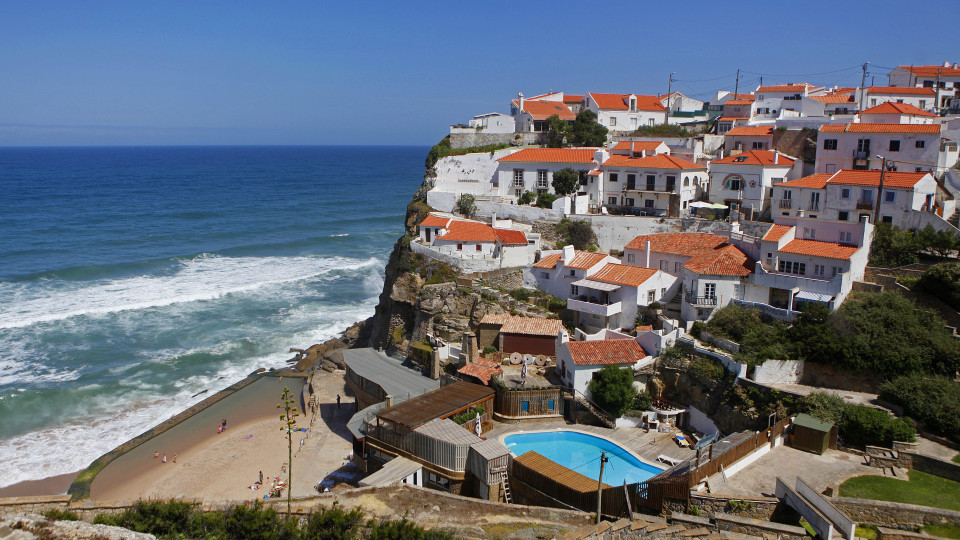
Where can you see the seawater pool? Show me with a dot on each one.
(581, 452)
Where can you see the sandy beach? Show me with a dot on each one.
(224, 466)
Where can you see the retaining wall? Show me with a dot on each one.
(756, 527)
(778, 372)
(895, 515)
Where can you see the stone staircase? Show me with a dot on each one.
(671, 309)
(649, 527)
(602, 416)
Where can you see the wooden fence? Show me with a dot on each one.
(515, 403)
(445, 454)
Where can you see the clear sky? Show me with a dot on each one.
(356, 72)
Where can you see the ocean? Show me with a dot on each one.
(135, 282)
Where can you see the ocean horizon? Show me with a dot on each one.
(136, 281)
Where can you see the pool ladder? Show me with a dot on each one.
(507, 496)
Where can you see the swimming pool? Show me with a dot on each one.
(581, 452)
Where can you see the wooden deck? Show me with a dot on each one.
(441, 403)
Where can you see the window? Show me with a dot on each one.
(435, 480)
(631, 181)
(919, 144)
(459, 247)
(843, 216)
(873, 102)
(686, 181)
(676, 268)
(629, 202)
(542, 178)
(611, 200)
(551, 405)
(575, 290)
(573, 273)
(478, 247)
(663, 292)
(787, 194)
(710, 290)
(758, 145)
(866, 195)
(818, 269)
(613, 120)
(648, 203)
(631, 257)
(582, 176)
(894, 146)
(889, 196)
(886, 219)
(923, 104)
(518, 177)
(613, 177)
(663, 265)
(651, 296)
(525, 406)
(789, 267)
(518, 192)
(671, 183)
(545, 275)
(845, 193)
(651, 182)
(735, 183)
(835, 271)
(829, 144)
(809, 234)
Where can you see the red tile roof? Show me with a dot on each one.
(584, 260)
(607, 351)
(776, 232)
(482, 372)
(435, 221)
(637, 146)
(750, 131)
(688, 244)
(510, 237)
(739, 102)
(550, 261)
(572, 98)
(644, 328)
(903, 180)
(495, 318)
(624, 274)
(816, 248)
(726, 261)
(532, 326)
(756, 157)
(748, 97)
(818, 181)
(732, 118)
(469, 231)
(552, 155)
(620, 102)
(901, 90)
(890, 107)
(863, 127)
(796, 87)
(659, 161)
(933, 71)
(834, 98)
(833, 128)
(541, 110)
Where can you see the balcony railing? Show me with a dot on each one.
(593, 306)
(701, 300)
(786, 203)
(815, 207)
(864, 205)
(859, 154)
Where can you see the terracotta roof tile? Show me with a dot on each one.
(435, 221)
(747, 97)
(864, 127)
(795, 87)
(658, 161)
(551, 155)
(620, 102)
(541, 110)
(933, 71)
(818, 181)
(550, 261)
(732, 118)
(688, 244)
(750, 131)
(816, 248)
(624, 274)
(481, 372)
(608, 351)
(736, 102)
(890, 107)
(901, 91)
(532, 326)
(834, 98)
(469, 231)
(776, 232)
(495, 318)
(572, 98)
(726, 261)
(637, 146)
(833, 128)
(584, 260)
(891, 179)
(644, 328)
(510, 237)
(756, 157)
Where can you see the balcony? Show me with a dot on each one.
(701, 300)
(813, 207)
(593, 306)
(786, 203)
(860, 154)
(864, 205)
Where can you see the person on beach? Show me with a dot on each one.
(219, 429)
(261, 478)
(224, 423)
(156, 455)
(164, 460)
(338, 401)
(174, 457)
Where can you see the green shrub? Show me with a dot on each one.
(546, 199)
(696, 328)
(467, 205)
(825, 406)
(489, 349)
(57, 514)
(576, 233)
(934, 402)
(662, 130)
(468, 415)
(943, 281)
(707, 368)
(521, 294)
(526, 198)
(612, 389)
(858, 425)
(892, 247)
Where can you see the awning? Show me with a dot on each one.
(393, 472)
(596, 285)
(701, 204)
(813, 297)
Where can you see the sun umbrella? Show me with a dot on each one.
(478, 428)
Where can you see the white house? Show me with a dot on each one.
(493, 123)
(891, 112)
(943, 79)
(772, 100)
(625, 112)
(922, 98)
(661, 184)
(556, 272)
(854, 196)
(745, 180)
(677, 102)
(531, 169)
(743, 138)
(577, 361)
(913, 147)
(634, 148)
(452, 239)
(532, 115)
(834, 104)
(609, 298)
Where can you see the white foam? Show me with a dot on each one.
(205, 277)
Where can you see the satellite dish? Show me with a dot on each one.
(516, 358)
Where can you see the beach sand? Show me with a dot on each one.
(55, 485)
(223, 466)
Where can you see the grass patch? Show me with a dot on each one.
(956, 458)
(945, 531)
(869, 532)
(923, 489)
(807, 527)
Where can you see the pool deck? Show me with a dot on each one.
(646, 445)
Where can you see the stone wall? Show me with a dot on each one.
(934, 466)
(884, 533)
(754, 507)
(895, 515)
(756, 527)
(778, 371)
(815, 374)
(725, 344)
(509, 280)
(479, 138)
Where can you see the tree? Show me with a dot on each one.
(578, 233)
(556, 135)
(612, 389)
(289, 419)
(586, 131)
(940, 243)
(892, 247)
(467, 205)
(545, 199)
(943, 281)
(526, 198)
(566, 181)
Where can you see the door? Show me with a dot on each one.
(631, 182)
(815, 200)
(429, 230)
(710, 290)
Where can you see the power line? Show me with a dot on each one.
(705, 80)
(802, 74)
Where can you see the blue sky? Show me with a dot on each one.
(323, 72)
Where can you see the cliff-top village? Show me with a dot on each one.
(616, 315)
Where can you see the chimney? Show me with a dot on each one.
(520, 100)
(646, 262)
(776, 157)
(568, 254)
(493, 220)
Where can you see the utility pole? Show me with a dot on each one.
(736, 87)
(937, 102)
(603, 459)
(883, 171)
(863, 80)
(669, 92)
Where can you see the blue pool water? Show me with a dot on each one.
(581, 452)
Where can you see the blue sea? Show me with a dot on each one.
(135, 282)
